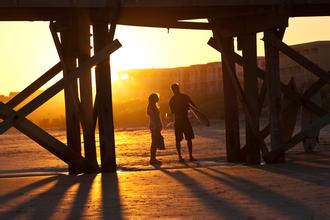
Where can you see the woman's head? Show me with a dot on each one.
(153, 98)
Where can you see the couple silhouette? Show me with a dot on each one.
(179, 106)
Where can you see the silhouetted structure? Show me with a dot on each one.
(227, 19)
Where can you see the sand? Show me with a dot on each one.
(35, 185)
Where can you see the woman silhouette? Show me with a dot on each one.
(155, 125)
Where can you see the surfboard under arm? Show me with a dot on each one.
(199, 115)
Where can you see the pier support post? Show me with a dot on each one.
(104, 98)
(248, 45)
(85, 85)
(71, 91)
(273, 92)
(230, 106)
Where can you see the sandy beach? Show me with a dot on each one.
(34, 184)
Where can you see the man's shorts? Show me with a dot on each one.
(182, 127)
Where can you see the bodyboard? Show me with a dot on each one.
(199, 115)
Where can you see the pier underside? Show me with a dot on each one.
(241, 20)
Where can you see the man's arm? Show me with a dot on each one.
(191, 102)
(171, 104)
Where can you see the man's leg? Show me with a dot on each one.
(189, 143)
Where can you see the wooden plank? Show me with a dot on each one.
(76, 105)
(274, 91)
(314, 88)
(249, 50)
(289, 113)
(287, 91)
(45, 140)
(86, 93)
(300, 59)
(20, 97)
(231, 108)
(154, 3)
(104, 103)
(251, 24)
(317, 125)
(68, 60)
(294, 96)
(240, 92)
(57, 87)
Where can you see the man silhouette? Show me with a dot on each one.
(179, 105)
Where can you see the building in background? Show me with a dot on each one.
(206, 79)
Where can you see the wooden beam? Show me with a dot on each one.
(57, 87)
(45, 140)
(300, 59)
(317, 125)
(251, 24)
(248, 45)
(70, 90)
(240, 93)
(274, 92)
(20, 97)
(289, 113)
(314, 88)
(287, 91)
(230, 107)
(54, 28)
(86, 93)
(104, 102)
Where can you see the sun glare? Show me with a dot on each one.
(115, 77)
(124, 76)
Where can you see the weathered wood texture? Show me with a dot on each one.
(231, 107)
(57, 87)
(248, 45)
(47, 141)
(273, 91)
(240, 93)
(71, 90)
(104, 99)
(287, 91)
(33, 87)
(86, 94)
(163, 13)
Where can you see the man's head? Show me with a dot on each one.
(175, 88)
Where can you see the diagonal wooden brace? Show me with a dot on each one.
(300, 59)
(47, 141)
(20, 97)
(287, 91)
(241, 95)
(76, 104)
(316, 125)
(57, 87)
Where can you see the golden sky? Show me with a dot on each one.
(27, 49)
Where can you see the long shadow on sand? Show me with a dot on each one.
(72, 191)
(218, 206)
(285, 205)
(40, 206)
(111, 207)
(26, 189)
(316, 171)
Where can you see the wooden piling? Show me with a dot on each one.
(273, 92)
(70, 92)
(231, 107)
(104, 99)
(86, 93)
(249, 50)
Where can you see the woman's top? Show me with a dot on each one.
(155, 122)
